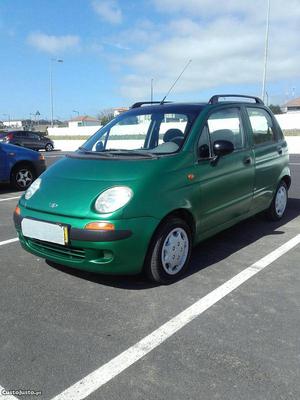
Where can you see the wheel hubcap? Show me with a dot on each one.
(24, 178)
(280, 201)
(175, 251)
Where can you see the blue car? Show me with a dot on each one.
(20, 166)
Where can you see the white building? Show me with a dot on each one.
(83, 120)
(292, 105)
(18, 124)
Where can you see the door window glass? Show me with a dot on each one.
(262, 126)
(226, 124)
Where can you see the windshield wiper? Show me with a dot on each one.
(95, 153)
(131, 153)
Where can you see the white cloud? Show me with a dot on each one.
(53, 44)
(108, 10)
(225, 43)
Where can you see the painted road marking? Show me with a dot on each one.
(8, 241)
(294, 163)
(10, 198)
(114, 367)
(4, 396)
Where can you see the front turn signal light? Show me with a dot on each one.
(100, 226)
(17, 210)
(42, 157)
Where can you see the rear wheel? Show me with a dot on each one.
(49, 147)
(278, 206)
(169, 251)
(22, 177)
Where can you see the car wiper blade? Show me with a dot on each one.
(95, 153)
(131, 153)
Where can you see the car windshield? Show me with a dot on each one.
(143, 131)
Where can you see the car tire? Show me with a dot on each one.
(49, 147)
(22, 176)
(278, 206)
(169, 251)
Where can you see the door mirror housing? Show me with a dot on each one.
(223, 147)
(99, 146)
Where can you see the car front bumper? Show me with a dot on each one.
(121, 251)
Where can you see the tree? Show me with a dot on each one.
(275, 109)
(105, 116)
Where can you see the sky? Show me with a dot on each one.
(112, 49)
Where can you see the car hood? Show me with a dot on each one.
(71, 186)
(11, 148)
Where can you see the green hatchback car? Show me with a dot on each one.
(154, 182)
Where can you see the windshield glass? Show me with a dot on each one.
(143, 131)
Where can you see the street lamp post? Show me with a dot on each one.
(263, 94)
(51, 87)
(77, 112)
(151, 95)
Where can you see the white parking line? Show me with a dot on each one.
(9, 241)
(4, 396)
(294, 163)
(108, 371)
(10, 198)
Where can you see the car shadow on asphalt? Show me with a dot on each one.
(207, 253)
(7, 188)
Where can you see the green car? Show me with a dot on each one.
(153, 183)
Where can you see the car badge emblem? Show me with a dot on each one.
(53, 205)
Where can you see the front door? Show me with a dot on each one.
(225, 189)
(3, 165)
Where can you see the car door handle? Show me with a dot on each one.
(247, 160)
(279, 149)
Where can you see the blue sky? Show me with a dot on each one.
(112, 48)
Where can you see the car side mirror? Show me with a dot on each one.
(99, 146)
(221, 148)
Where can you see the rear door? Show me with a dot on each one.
(226, 188)
(34, 141)
(268, 153)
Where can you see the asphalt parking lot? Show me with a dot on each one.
(60, 325)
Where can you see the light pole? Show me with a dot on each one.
(266, 52)
(7, 115)
(51, 88)
(152, 89)
(77, 112)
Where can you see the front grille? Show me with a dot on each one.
(66, 252)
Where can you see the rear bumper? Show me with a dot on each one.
(119, 252)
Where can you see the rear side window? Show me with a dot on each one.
(262, 126)
(226, 124)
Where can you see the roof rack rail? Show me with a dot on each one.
(141, 103)
(215, 99)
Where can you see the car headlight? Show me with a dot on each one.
(33, 188)
(112, 199)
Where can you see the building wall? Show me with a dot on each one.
(290, 120)
(286, 121)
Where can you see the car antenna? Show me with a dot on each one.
(187, 64)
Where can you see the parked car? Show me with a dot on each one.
(32, 140)
(126, 206)
(20, 166)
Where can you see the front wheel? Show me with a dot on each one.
(278, 206)
(22, 177)
(169, 251)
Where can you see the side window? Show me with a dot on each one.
(226, 124)
(262, 126)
